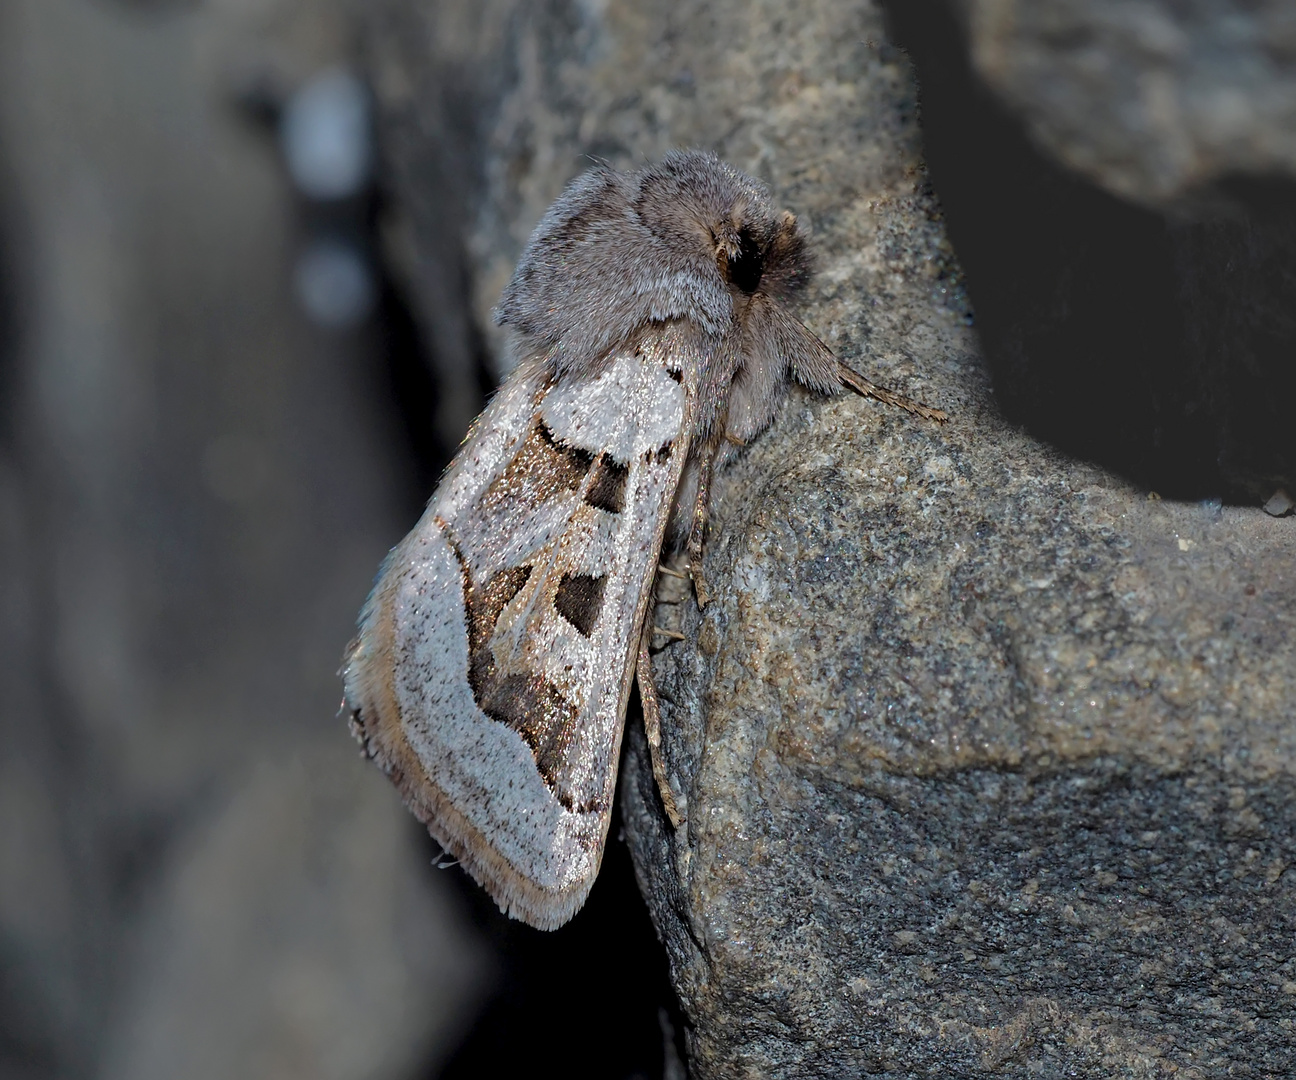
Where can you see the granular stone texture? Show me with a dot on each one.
(987, 754)
(989, 768)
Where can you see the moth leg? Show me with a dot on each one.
(853, 380)
(701, 505)
(652, 722)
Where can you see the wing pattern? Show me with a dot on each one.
(495, 657)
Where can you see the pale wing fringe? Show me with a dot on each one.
(378, 728)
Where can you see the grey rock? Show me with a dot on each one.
(1279, 503)
(988, 771)
(1153, 100)
(987, 753)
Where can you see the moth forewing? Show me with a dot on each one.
(494, 662)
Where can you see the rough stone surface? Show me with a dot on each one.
(988, 754)
(1153, 100)
(989, 763)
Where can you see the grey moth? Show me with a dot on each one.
(496, 653)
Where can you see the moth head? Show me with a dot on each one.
(705, 209)
(689, 237)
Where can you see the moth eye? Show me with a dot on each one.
(745, 269)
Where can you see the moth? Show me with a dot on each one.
(495, 655)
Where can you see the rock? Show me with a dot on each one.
(295, 936)
(988, 762)
(1154, 100)
(1279, 503)
(987, 756)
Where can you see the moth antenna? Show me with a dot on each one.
(853, 380)
(674, 635)
(669, 571)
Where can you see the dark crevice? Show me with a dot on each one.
(583, 1001)
(411, 383)
(1137, 340)
(409, 372)
(45, 1029)
(10, 328)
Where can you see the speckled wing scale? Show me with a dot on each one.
(495, 658)
(495, 655)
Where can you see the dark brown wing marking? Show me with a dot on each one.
(542, 468)
(531, 705)
(562, 483)
(607, 489)
(571, 463)
(579, 600)
(489, 602)
(534, 708)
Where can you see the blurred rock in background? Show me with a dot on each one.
(198, 477)
(1119, 181)
(1152, 100)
